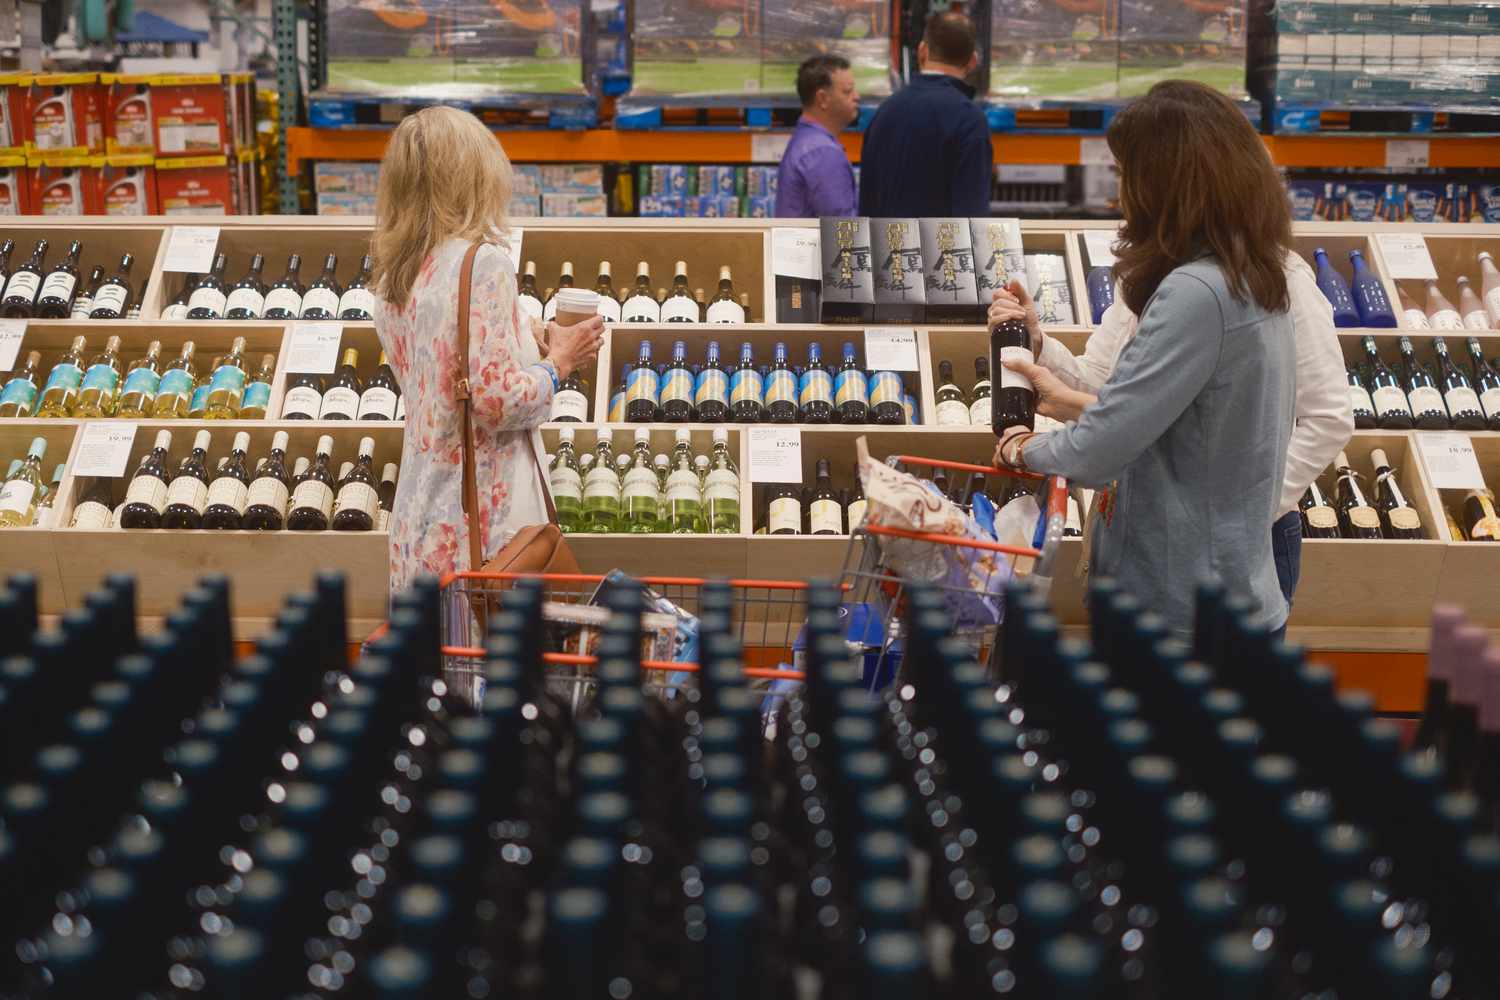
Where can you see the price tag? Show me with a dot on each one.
(1450, 461)
(104, 449)
(1406, 153)
(512, 241)
(891, 348)
(11, 332)
(1406, 256)
(1094, 152)
(191, 249)
(796, 253)
(315, 348)
(768, 147)
(1100, 245)
(775, 455)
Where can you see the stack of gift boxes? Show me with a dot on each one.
(558, 190)
(117, 144)
(705, 191)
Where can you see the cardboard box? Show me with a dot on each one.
(128, 185)
(948, 270)
(65, 115)
(190, 115)
(15, 185)
(200, 185)
(848, 271)
(127, 114)
(998, 255)
(15, 95)
(900, 289)
(65, 185)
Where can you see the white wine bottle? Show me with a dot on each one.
(138, 394)
(388, 497)
(266, 499)
(341, 401)
(23, 489)
(101, 381)
(175, 391)
(721, 488)
(684, 493)
(226, 387)
(567, 483)
(258, 391)
(726, 307)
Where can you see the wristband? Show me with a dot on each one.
(551, 371)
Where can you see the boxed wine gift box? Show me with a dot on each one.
(998, 256)
(948, 271)
(900, 290)
(848, 273)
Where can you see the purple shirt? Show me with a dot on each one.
(815, 179)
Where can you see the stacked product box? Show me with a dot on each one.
(558, 190)
(702, 191)
(1415, 200)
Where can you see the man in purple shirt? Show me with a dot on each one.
(815, 178)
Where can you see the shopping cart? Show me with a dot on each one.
(766, 615)
(971, 574)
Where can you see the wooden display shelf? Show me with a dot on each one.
(34, 550)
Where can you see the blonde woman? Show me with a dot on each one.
(445, 184)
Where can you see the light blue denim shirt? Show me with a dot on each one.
(1192, 427)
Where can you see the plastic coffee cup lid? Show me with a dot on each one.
(578, 300)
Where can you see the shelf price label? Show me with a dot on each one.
(775, 455)
(11, 332)
(104, 449)
(1407, 153)
(1450, 461)
(315, 348)
(1406, 256)
(1100, 244)
(891, 349)
(796, 253)
(191, 249)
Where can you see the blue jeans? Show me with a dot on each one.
(1286, 547)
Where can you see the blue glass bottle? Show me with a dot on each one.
(781, 389)
(745, 389)
(1370, 300)
(851, 389)
(1336, 290)
(711, 393)
(617, 401)
(1101, 289)
(641, 392)
(677, 387)
(816, 390)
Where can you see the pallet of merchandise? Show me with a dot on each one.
(332, 110)
(1070, 117)
(1291, 118)
(700, 113)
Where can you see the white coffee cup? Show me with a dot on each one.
(574, 305)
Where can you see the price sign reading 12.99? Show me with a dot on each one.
(775, 455)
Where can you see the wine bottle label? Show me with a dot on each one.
(115, 518)
(952, 412)
(313, 494)
(257, 395)
(1415, 319)
(1322, 518)
(248, 300)
(189, 491)
(339, 400)
(1364, 517)
(23, 285)
(1424, 399)
(1461, 399)
(175, 382)
(21, 393)
(745, 385)
(781, 387)
(850, 386)
(1390, 399)
(682, 487)
(980, 411)
(143, 382)
(302, 399)
(712, 387)
(566, 482)
(377, 402)
(1359, 400)
(1476, 319)
(643, 384)
(283, 302)
(91, 515)
(382, 520)
(357, 300)
(227, 491)
(826, 516)
(601, 484)
(1404, 519)
(359, 496)
(229, 379)
(616, 408)
(401, 408)
(199, 400)
(785, 514)
(725, 311)
(174, 311)
(856, 513)
(1489, 399)
(570, 404)
(82, 306)
(678, 385)
(268, 491)
(101, 378)
(16, 496)
(816, 387)
(641, 309)
(886, 387)
(609, 308)
(529, 305)
(147, 490)
(207, 298)
(112, 297)
(59, 285)
(640, 489)
(65, 376)
(1008, 378)
(1446, 319)
(721, 484)
(320, 300)
(679, 309)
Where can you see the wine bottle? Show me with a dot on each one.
(55, 298)
(641, 393)
(784, 511)
(207, 300)
(23, 488)
(133, 311)
(1336, 291)
(388, 497)
(44, 508)
(601, 487)
(19, 298)
(1413, 316)
(60, 392)
(1357, 519)
(321, 300)
(1100, 284)
(815, 390)
(642, 306)
(567, 483)
(146, 497)
(175, 390)
(851, 389)
(96, 393)
(527, 298)
(616, 413)
(825, 514)
(258, 391)
(188, 493)
(226, 386)
(6, 249)
(886, 390)
(247, 299)
(358, 302)
(378, 400)
(94, 511)
(266, 499)
(745, 389)
(711, 389)
(639, 493)
(1360, 401)
(1398, 518)
(20, 392)
(854, 514)
(952, 409)
(177, 309)
(609, 305)
(1458, 392)
(358, 500)
(1370, 300)
(1486, 383)
(725, 307)
(679, 306)
(341, 401)
(1392, 409)
(721, 488)
(564, 280)
(229, 493)
(1470, 308)
(284, 300)
(677, 387)
(781, 389)
(1481, 522)
(112, 298)
(312, 498)
(83, 302)
(304, 397)
(1440, 312)
(1429, 412)
(198, 401)
(1015, 402)
(1489, 276)
(142, 381)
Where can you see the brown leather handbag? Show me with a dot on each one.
(536, 548)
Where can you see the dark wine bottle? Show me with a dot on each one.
(321, 300)
(358, 501)
(1429, 412)
(341, 400)
(247, 299)
(312, 499)
(1392, 408)
(745, 389)
(146, 497)
(1013, 404)
(187, 495)
(1458, 392)
(851, 390)
(112, 298)
(1319, 519)
(358, 302)
(1398, 518)
(55, 299)
(784, 510)
(207, 300)
(1360, 401)
(284, 300)
(1357, 519)
(781, 389)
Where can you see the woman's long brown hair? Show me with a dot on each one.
(1195, 179)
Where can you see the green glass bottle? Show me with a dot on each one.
(23, 488)
(721, 488)
(567, 483)
(639, 494)
(601, 488)
(684, 493)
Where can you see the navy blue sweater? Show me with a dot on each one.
(927, 153)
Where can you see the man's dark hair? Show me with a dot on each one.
(950, 39)
(815, 73)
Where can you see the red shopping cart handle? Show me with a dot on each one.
(939, 463)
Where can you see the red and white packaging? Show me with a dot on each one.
(128, 185)
(128, 114)
(199, 185)
(15, 96)
(190, 115)
(65, 185)
(15, 191)
(65, 115)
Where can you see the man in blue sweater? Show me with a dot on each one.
(927, 152)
